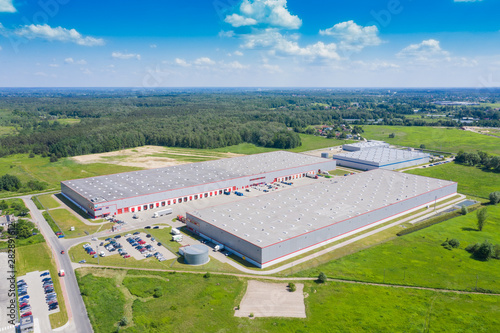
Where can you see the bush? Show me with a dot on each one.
(464, 210)
(484, 251)
(207, 275)
(496, 251)
(482, 215)
(454, 243)
(53, 158)
(392, 135)
(123, 321)
(158, 293)
(292, 287)
(422, 146)
(472, 247)
(494, 197)
(322, 277)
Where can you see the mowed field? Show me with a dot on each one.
(166, 302)
(442, 139)
(471, 180)
(418, 259)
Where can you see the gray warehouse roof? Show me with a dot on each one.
(382, 156)
(365, 145)
(136, 183)
(278, 216)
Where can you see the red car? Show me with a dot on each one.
(92, 253)
(62, 252)
(126, 256)
(26, 314)
(142, 242)
(23, 304)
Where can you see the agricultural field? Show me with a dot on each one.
(166, 302)
(418, 259)
(471, 180)
(38, 257)
(442, 139)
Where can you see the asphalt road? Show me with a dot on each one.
(79, 321)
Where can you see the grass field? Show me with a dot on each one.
(443, 139)
(471, 180)
(419, 259)
(48, 201)
(65, 220)
(39, 258)
(191, 303)
(39, 168)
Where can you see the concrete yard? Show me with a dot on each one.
(272, 300)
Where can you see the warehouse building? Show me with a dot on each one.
(365, 145)
(148, 189)
(268, 229)
(381, 158)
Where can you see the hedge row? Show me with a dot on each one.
(55, 228)
(435, 220)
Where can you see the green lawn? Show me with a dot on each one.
(48, 201)
(419, 259)
(443, 139)
(39, 258)
(65, 220)
(191, 303)
(471, 180)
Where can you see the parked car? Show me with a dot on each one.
(136, 233)
(118, 236)
(82, 261)
(159, 244)
(156, 227)
(126, 256)
(26, 314)
(147, 227)
(148, 236)
(24, 298)
(23, 293)
(44, 274)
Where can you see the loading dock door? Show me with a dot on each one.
(119, 211)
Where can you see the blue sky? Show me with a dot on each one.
(238, 43)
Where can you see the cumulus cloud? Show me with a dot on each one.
(44, 31)
(76, 62)
(281, 45)
(126, 56)
(204, 61)
(6, 6)
(424, 51)
(272, 13)
(182, 62)
(238, 53)
(352, 36)
(235, 65)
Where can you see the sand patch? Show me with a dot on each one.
(146, 157)
(272, 300)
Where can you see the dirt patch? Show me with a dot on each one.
(272, 300)
(146, 157)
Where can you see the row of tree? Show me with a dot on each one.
(479, 158)
(13, 184)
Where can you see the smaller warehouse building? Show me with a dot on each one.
(381, 158)
(268, 229)
(365, 145)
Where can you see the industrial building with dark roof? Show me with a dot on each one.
(383, 158)
(147, 189)
(268, 229)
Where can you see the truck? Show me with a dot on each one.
(162, 212)
(219, 247)
(175, 231)
(61, 272)
(177, 238)
(238, 193)
(312, 176)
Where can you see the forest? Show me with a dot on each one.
(105, 120)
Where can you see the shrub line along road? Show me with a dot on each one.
(78, 320)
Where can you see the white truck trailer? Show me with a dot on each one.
(163, 212)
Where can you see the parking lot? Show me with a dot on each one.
(37, 301)
(129, 249)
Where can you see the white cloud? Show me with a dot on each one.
(53, 65)
(60, 34)
(272, 13)
(238, 53)
(239, 21)
(352, 36)
(125, 56)
(426, 50)
(6, 6)
(235, 65)
(182, 62)
(272, 69)
(77, 62)
(153, 46)
(281, 45)
(204, 61)
(228, 34)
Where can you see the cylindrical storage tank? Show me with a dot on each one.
(324, 155)
(196, 254)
